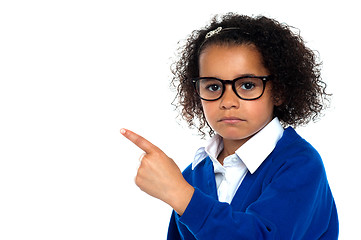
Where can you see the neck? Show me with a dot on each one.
(230, 147)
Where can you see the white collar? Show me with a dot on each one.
(252, 153)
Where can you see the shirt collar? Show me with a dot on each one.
(213, 147)
(252, 153)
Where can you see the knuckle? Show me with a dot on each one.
(146, 163)
(143, 160)
(158, 154)
(137, 141)
(138, 180)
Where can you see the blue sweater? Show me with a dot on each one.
(288, 197)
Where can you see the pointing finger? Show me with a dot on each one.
(138, 140)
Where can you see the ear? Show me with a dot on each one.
(277, 101)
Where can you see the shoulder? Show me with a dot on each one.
(292, 146)
(295, 155)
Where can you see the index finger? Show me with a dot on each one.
(138, 140)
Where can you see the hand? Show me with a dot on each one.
(159, 176)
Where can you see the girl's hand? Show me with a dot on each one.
(159, 176)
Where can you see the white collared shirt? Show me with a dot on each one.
(246, 158)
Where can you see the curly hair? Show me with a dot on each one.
(296, 72)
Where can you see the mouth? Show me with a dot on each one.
(231, 120)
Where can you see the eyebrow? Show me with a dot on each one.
(238, 76)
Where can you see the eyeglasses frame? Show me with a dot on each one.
(264, 79)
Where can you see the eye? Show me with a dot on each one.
(213, 87)
(248, 85)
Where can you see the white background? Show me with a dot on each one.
(72, 73)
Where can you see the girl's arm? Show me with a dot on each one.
(295, 203)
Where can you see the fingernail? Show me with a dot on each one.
(122, 131)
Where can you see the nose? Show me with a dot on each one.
(229, 99)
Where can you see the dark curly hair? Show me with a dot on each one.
(295, 68)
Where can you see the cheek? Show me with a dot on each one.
(261, 108)
(209, 110)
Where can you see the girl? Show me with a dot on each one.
(244, 80)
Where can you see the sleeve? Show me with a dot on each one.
(173, 233)
(295, 204)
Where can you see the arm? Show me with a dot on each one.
(295, 204)
(295, 200)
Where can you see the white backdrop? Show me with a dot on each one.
(72, 73)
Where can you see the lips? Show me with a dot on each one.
(231, 120)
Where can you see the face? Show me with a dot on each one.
(230, 116)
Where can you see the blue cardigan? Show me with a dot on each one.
(288, 197)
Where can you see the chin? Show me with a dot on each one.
(235, 135)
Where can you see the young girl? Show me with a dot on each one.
(245, 79)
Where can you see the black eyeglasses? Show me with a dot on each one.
(246, 87)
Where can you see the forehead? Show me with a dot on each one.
(231, 61)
